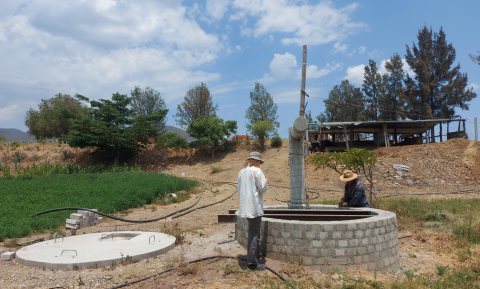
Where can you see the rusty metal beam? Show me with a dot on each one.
(230, 218)
(227, 218)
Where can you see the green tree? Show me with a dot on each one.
(309, 117)
(438, 85)
(361, 161)
(2, 138)
(260, 129)
(373, 87)
(148, 102)
(262, 108)
(392, 103)
(112, 127)
(196, 104)
(345, 103)
(54, 116)
(210, 132)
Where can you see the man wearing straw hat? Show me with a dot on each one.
(354, 195)
(252, 184)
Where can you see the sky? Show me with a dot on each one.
(96, 48)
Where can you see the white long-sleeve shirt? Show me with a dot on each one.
(251, 186)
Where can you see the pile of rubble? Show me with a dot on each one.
(82, 219)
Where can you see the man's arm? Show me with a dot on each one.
(261, 181)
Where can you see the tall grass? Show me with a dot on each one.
(460, 216)
(108, 192)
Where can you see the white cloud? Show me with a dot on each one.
(285, 67)
(314, 72)
(216, 8)
(358, 51)
(339, 47)
(355, 74)
(303, 23)
(10, 111)
(282, 66)
(96, 48)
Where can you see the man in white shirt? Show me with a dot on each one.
(251, 186)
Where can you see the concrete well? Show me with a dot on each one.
(369, 243)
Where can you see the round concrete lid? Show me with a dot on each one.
(95, 250)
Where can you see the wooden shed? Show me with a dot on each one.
(338, 136)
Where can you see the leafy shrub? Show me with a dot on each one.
(276, 141)
(171, 140)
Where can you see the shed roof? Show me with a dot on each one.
(399, 126)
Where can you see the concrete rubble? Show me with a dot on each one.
(82, 219)
(7, 256)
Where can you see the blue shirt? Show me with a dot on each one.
(354, 194)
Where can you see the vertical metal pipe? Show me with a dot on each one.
(304, 77)
(476, 128)
(296, 139)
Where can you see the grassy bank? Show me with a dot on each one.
(460, 216)
(108, 192)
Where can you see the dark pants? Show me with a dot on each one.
(253, 251)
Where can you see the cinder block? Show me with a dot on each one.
(7, 256)
(73, 222)
(76, 216)
(73, 227)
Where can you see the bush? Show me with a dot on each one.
(276, 141)
(171, 140)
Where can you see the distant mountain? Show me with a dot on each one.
(13, 134)
(180, 132)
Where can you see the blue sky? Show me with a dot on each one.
(96, 48)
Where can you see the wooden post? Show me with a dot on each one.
(441, 131)
(346, 137)
(385, 135)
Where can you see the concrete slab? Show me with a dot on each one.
(95, 250)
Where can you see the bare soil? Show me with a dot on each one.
(451, 169)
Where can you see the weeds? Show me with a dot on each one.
(230, 269)
(215, 169)
(453, 214)
(464, 254)
(175, 231)
(11, 243)
(188, 269)
(468, 229)
(442, 270)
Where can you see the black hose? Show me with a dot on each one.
(126, 284)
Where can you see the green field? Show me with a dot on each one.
(109, 192)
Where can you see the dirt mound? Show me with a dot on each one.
(452, 163)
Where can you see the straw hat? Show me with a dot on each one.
(255, 156)
(348, 175)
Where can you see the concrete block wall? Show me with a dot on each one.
(370, 243)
